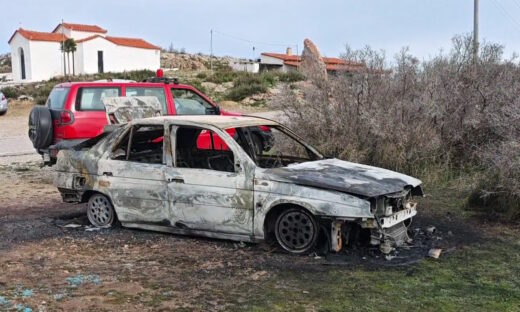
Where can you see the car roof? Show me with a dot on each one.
(118, 83)
(222, 122)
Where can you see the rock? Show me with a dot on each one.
(434, 253)
(228, 84)
(209, 85)
(431, 230)
(220, 89)
(312, 65)
(25, 98)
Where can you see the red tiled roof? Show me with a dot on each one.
(82, 27)
(89, 38)
(38, 36)
(128, 42)
(332, 63)
(132, 42)
(285, 57)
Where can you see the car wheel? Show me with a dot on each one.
(3, 113)
(296, 230)
(40, 127)
(100, 211)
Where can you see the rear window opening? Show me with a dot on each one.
(57, 98)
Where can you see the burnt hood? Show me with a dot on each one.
(347, 177)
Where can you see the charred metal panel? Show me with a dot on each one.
(345, 177)
(125, 109)
(138, 190)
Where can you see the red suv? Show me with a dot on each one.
(74, 111)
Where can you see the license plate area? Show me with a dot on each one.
(399, 216)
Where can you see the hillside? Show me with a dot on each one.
(5, 63)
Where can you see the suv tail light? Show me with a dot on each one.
(3, 97)
(66, 117)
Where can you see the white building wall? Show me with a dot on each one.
(65, 31)
(250, 67)
(115, 58)
(264, 59)
(77, 35)
(15, 44)
(46, 60)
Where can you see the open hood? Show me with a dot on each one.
(124, 109)
(344, 176)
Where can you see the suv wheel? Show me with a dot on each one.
(40, 127)
(296, 230)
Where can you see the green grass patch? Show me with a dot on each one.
(477, 278)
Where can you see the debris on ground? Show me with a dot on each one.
(434, 253)
(78, 280)
(430, 230)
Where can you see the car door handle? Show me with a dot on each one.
(107, 173)
(176, 180)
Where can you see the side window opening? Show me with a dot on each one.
(91, 98)
(188, 102)
(142, 144)
(149, 91)
(199, 148)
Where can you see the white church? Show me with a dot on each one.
(37, 55)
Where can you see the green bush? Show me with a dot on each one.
(291, 76)
(11, 93)
(238, 93)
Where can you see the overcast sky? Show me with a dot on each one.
(424, 25)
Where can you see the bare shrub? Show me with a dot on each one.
(451, 111)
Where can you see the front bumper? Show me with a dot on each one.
(400, 216)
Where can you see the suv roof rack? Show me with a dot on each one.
(163, 80)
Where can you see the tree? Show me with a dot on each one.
(69, 46)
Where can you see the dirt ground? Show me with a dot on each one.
(51, 261)
(47, 265)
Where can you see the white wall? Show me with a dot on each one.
(65, 31)
(115, 58)
(20, 42)
(46, 60)
(250, 67)
(264, 59)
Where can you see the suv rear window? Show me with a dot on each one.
(56, 99)
(91, 98)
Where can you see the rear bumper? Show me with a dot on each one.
(49, 154)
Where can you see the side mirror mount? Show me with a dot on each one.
(118, 153)
(217, 110)
(238, 166)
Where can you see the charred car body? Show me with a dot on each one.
(202, 175)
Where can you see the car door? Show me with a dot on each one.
(207, 187)
(133, 176)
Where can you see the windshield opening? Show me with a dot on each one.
(273, 147)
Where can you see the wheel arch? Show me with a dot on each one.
(275, 210)
(85, 197)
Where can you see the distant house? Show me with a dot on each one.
(287, 62)
(37, 55)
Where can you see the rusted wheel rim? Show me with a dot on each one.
(100, 212)
(296, 230)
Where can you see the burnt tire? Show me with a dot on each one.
(40, 127)
(296, 230)
(100, 211)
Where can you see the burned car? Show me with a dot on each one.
(203, 175)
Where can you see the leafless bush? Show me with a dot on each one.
(452, 111)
